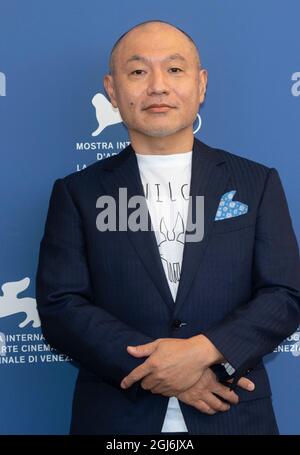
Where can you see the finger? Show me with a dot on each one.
(224, 392)
(135, 375)
(215, 403)
(167, 391)
(246, 384)
(167, 394)
(163, 390)
(203, 407)
(143, 350)
(148, 383)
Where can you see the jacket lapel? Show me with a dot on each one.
(209, 178)
(123, 172)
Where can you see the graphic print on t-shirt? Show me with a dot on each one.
(168, 203)
(166, 247)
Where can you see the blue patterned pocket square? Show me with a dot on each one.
(229, 208)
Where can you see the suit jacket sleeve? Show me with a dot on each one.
(254, 329)
(71, 320)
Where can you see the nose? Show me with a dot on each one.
(157, 84)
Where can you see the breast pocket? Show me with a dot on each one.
(234, 223)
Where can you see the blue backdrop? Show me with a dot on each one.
(53, 56)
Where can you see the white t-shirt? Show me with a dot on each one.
(166, 182)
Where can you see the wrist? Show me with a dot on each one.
(208, 353)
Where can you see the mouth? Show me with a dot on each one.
(158, 108)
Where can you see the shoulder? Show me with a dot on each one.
(92, 174)
(233, 159)
(245, 172)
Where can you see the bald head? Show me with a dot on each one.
(150, 27)
(156, 82)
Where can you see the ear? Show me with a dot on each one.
(108, 83)
(203, 75)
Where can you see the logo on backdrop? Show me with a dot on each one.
(106, 114)
(296, 86)
(29, 346)
(11, 303)
(2, 344)
(291, 344)
(2, 84)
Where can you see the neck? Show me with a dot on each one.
(175, 143)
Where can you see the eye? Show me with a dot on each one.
(137, 72)
(175, 70)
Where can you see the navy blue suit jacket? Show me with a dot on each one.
(98, 292)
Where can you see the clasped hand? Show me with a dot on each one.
(180, 367)
(173, 365)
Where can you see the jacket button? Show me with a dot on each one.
(176, 324)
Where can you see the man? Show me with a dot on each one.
(163, 320)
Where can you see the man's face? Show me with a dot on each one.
(156, 83)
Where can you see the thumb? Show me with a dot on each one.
(142, 350)
(246, 384)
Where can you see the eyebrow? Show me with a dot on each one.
(139, 58)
